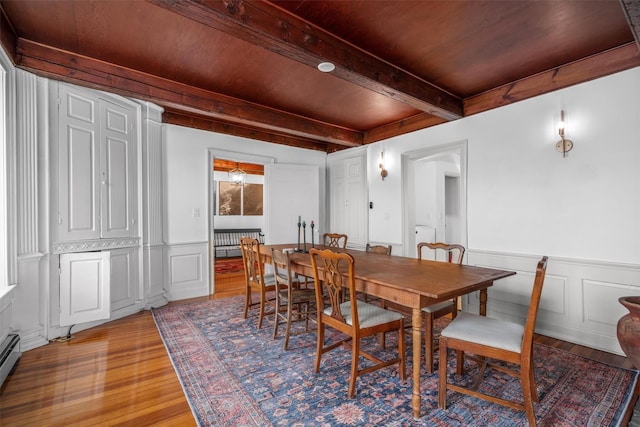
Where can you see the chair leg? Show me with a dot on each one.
(442, 375)
(276, 321)
(525, 378)
(532, 382)
(306, 317)
(286, 334)
(247, 301)
(402, 369)
(428, 343)
(383, 342)
(355, 355)
(319, 346)
(460, 362)
(262, 302)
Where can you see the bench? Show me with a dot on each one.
(227, 241)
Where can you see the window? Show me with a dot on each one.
(237, 199)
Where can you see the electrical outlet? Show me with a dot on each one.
(196, 212)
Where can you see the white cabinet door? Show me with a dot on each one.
(84, 287)
(124, 277)
(97, 167)
(79, 136)
(117, 158)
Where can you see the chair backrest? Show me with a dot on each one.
(532, 314)
(454, 252)
(282, 268)
(329, 278)
(335, 240)
(379, 249)
(252, 259)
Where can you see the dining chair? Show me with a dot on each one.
(332, 271)
(255, 278)
(382, 250)
(494, 339)
(454, 254)
(379, 249)
(295, 301)
(335, 240)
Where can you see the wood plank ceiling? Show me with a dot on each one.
(248, 68)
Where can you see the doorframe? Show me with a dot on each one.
(212, 154)
(408, 160)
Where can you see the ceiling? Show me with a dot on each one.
(249, 68)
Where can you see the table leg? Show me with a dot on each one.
(483, 301)
(416, 321)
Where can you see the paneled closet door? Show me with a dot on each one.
(349, 199)
(79, 136)
(85, 290)
(117, 157)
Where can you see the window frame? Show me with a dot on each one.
(8, 259)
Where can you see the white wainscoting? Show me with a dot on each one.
(579, 299)
(186, 272)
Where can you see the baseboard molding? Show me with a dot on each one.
(579, 299)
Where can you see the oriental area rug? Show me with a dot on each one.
(234, 374)
(228, 265)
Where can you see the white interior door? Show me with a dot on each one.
(291, 191)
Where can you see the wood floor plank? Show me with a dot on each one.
(119, 374)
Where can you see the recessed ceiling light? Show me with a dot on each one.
(326, 67)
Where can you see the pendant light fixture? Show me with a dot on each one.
(237, 175)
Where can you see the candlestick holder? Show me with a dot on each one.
(297, 249)
(312, 245)
(304, 236)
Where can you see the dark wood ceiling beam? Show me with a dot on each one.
(401, 127)
(8, 35)
(222, 165)
(590, 68)
(208, 124)
(264, 24)
(70, 67)
(631, 9)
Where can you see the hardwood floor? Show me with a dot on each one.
(115, 374)
(120, 374)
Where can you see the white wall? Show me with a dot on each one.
(523, 196)
(525, 200)
(186, 158)
(186, 175)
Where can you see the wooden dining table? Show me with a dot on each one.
(409, 282)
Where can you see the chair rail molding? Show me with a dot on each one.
(94, 245)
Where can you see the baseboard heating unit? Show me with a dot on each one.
(9, 355)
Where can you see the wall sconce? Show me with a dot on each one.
(383, 171)
(564, 145)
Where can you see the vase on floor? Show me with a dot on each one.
(629, 329)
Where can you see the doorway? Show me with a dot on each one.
(434, 195)
(229, 211)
